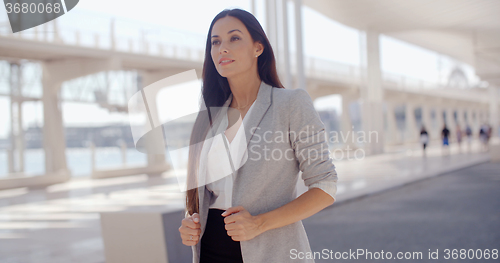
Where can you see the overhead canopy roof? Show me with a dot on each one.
(468, 30)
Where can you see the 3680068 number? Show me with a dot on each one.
(33, 8)
(471, 254)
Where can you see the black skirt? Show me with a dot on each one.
(216, 245)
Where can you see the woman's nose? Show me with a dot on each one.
(223, 49)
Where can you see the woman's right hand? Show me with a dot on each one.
(190, 230)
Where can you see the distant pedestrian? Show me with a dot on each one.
(468, 133)
(445, 136)
(489, 132)
(459, 133)
(483, 136)
(424, 138)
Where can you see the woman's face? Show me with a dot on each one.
(233, 49)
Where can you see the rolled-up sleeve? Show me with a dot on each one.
(328, 187)
(309, 142)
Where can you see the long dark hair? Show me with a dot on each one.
(215, 91)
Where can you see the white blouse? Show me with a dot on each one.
(222, 188)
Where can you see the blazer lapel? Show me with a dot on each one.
(262, 104)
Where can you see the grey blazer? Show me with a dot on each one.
(285, 136)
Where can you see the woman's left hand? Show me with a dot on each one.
(241, 225)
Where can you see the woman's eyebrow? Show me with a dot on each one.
(229, 32)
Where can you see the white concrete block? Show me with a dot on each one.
(149, 236)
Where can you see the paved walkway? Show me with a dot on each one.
(61, 223)
(378, 173)
(457, 210)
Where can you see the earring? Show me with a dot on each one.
(256, 55)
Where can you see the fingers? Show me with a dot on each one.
(233, 217)
(234, 226)
(190, 230)
(230, 226)
(230, 219)
(231, 210)
(186, 239)
(236, 238)
(233, 233)
(192, 221)
(196, 217)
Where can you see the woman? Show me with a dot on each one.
(445, 134)
(424, 138)
(253, 214)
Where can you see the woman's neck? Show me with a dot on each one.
(244, 91)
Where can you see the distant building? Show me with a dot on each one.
(103, 136)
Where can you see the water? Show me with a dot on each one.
(78, 160)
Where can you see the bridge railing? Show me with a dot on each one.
(403, 82)
(86, 29)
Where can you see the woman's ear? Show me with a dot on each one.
(259, 48)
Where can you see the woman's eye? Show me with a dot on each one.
(215, 42)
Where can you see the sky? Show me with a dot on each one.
(323, 38)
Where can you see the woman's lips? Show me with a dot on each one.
(226, 62)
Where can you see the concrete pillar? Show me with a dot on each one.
(271, 24)
(460, 118)
(477, 122)
(54, 74)
(468, 118)
(20, 143)
(300, 75)
(286, 48)
(426, 118)
(411, 123)
(481, 115)
(16, 152)
(493, 109)
(450, 121)
(253, 7)
(112, 34)
(156, 139)
(372, 93)
(439, 121)
(54, 140)
(393, 135)
(465, 114)
(485, 115)
(478, 118)
(346, 123)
